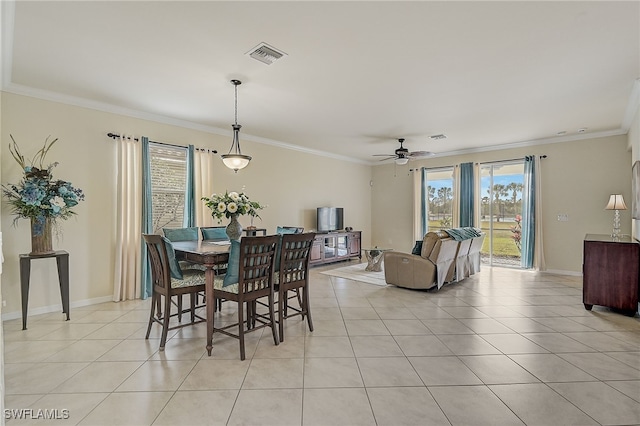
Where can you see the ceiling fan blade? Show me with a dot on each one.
(417, 154)
(383, 155)
(388, 158)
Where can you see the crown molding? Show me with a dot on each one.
(532, 142)
(129, 112)
(47, 95)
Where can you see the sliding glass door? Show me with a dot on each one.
(501, 211)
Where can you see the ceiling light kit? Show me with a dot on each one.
(237, 160)
(402, 155)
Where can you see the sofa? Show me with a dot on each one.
(441, 257)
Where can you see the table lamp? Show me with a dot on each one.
(616, 202)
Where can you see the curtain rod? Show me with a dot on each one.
(506, 161)
(433, 168)
(115, 136)
(487, 162)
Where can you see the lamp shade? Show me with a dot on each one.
(616, 202)
(401, 161)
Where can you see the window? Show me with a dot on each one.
(501, 211)
(438, 184)
(168, 185)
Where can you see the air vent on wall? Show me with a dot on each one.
(265, 53)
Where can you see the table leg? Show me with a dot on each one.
(25, 274)
(210, 300)
(377, 267)
(63, 278)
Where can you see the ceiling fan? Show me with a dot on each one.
(402, 154)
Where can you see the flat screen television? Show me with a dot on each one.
(329, 219)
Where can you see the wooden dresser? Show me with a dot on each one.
(610, 272)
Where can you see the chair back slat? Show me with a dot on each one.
(257, 255)
(159, 259)
(294, 257)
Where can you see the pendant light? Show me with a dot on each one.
(237, 160)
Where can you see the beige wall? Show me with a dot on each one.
(577, 179)
(292, 183)
(2, 391)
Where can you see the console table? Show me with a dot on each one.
(611, 272)
(335, 246)
(62, 260)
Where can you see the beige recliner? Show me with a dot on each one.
(435, 266)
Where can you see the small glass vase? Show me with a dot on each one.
(41, 241)
(234, 229)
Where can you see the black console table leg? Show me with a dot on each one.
(25, 274)
(62, 262)
(63, 277)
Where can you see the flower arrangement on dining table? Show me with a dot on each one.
(38, 196)
(232, 204)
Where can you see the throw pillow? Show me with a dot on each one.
(174, 266)
(417, 249)
(281, 230)
(233, 266)
(181, 234)
(214, 234)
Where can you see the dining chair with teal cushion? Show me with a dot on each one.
(214, 233)
(181, 234)
(174, 265)
(293, 276)
(256, 256)
(233, 265)
(280, 231)
(167, 284)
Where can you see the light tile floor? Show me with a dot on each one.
(502, 347)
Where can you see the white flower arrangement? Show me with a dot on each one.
(232, 203)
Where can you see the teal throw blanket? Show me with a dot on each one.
(460, 234)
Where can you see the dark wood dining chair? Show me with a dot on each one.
(185, 234)
(249, 278)
(293, 276)
(168, 280)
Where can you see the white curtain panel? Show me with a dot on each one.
(204, 186)
(477, 189)
(538, 250)
(127, 277)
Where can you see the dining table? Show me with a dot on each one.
(209, 254)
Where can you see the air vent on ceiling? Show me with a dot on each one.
(437, 137)
(265, 53)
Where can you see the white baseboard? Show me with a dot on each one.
(56, 308)
(561, 272)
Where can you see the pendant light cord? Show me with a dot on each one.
(236, 98)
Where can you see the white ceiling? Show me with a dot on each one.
(357, 75)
